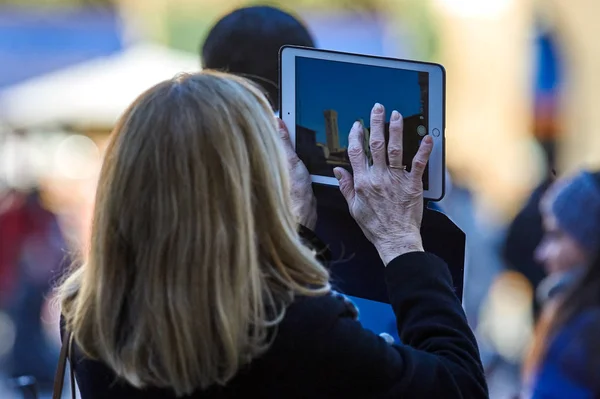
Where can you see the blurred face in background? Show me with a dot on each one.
(558, 251)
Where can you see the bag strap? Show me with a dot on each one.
(72, 369)
(59, 377)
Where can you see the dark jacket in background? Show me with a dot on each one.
(522, 238)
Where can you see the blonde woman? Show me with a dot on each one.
(196, 283)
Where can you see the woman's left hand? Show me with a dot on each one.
(304, 203)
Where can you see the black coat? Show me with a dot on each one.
(321, 351)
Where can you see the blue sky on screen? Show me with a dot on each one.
(352, 90)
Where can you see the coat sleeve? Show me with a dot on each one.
(439, 357)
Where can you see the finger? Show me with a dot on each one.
(290, 153)
(394, 149)
(421, 158)
(377, 139)
(284, 133)
(356, 150)
(346, 184)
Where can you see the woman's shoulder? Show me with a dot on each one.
(589, 318)
(311, 323)
(586, 323)
(577, 334)
(575, 350)
(318, 313)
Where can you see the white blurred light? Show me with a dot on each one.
(77, 157)
(475, 8)
(15, 168)
(93, 93)
(506, 319)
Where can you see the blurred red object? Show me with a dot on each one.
(22, 216)
(13, 231)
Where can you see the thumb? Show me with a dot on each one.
(284, 133)
(290, 153)
(346, 184)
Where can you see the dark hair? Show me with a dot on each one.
(583, 295)
(247, 42)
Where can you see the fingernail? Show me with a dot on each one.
(427, 140)
(377, 108)
(395, 115)
(337, 174)
(357, 125)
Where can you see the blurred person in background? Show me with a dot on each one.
(571, 234)
(548, 84)
(246, 42)
(523, 237)
(38, 254)
(12, 233)
(526, 231)
(565, 358)
(197, 281)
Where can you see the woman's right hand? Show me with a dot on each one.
(385, 199)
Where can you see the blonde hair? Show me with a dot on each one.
(194, 254)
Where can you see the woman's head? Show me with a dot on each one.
(194, 251)
(570, 211)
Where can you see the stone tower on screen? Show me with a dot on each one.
(331, 130)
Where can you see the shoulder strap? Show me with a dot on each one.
(72, 369)
(59, 377)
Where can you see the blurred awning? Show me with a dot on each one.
(93, 93)
(38, 40)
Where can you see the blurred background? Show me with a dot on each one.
(521, 92)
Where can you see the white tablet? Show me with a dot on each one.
(322, 94)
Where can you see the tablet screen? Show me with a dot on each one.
(332, 95)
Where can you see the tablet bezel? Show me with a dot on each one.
(437, 100)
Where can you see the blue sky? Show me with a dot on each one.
(351, 90)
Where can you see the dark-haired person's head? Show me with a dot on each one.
(247, 42)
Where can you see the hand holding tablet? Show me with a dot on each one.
(323, 93)
(304, 203)
(384, 198)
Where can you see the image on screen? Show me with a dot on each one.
(332, 95)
